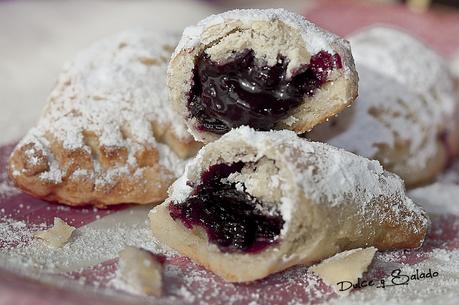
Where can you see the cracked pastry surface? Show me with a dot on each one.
(267, 69)
(317, 200)
(406, 112)
(107, 134)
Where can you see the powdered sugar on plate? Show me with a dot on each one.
(90, 245)
(424, 291)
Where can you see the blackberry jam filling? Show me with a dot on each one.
(242, 92)
(229, 216)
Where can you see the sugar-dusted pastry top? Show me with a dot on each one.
(401, 56)
(325, 174)
(315, 38)
(115, 87)
(406, 106)
(110, 104)
(417, 84)
(385, 113)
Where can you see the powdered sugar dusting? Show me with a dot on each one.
(421, 291)
(326, 175)
(187, 283)
(400, 56)
(170, 160)
(90, 245)
(315, 38)
(115, 90)
(405, 97)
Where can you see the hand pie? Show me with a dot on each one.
(267, 69)
(253, 203)
(107, 134)
(406, 112)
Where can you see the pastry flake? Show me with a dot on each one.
(107, 134)
(317, 201)
(347, 266)
(267, 69)
(139, 272)
(58, 235)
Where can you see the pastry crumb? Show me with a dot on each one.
(58, 235)
(139, 272)
(347, 266)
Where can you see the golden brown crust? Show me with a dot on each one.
(107, 135)
(76, 190)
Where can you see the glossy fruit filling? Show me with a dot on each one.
(241, 91)
(232, 219)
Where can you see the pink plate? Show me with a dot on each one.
(33, 274)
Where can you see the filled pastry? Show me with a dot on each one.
(267, 69)
(107, 134)
(253, 203)
(406, 112)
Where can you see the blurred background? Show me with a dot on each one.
(38, 37)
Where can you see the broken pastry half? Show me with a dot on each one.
(406, 113)
(107, 134)
(253, 203)
(267, 69)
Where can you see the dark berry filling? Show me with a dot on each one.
(229, 216)
(242, 92)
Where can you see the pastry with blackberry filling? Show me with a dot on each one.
(253, 203)
(267, 69)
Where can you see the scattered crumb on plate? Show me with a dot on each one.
(346, 266)
(58, 235)
(139, 272)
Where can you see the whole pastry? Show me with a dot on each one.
(107, 134)
(406, 113)
(253, 203)
(267, 69)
